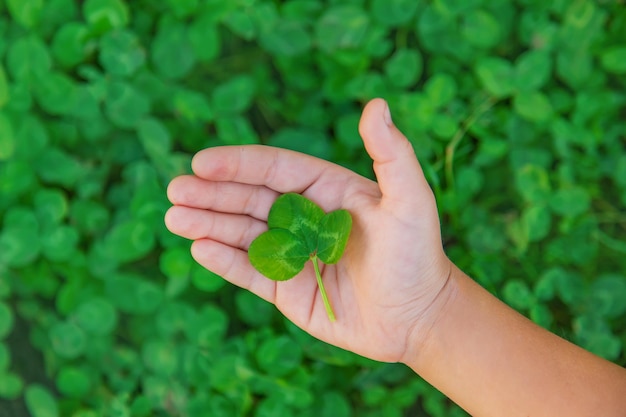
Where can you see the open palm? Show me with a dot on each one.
(383, 288)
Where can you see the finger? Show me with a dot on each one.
(279, 169)
(232, 264)
(398, 172)
(226, 197)
(231, 229)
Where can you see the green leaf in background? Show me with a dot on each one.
(132, 294)
(154, 137)
(607, 295)
(160, 357)
(96, 316)
(171, 51)
(55, 92)
(205, 38)
(11, 385)
(67, 339)
(19, 238)
(480, 29)
(205, 280)
(287, 38)
(129, 241)
(27, 57)
(614, 60)
(26, 12)
(310, 141)
(7, 139)
(121, 53)
(240, 22)
(5, 357)
(279, 356)
(341, 27)
(40, 402)
(593, 333)
(59, 242)
(252, 309)
(571, 201)
(125, 105)
(73, 381)
(574, 67)
(234, 96)
(208, 329)
(279, 254)
(183, 8)
(236, 130)
(51, 206)
(335, 404)
(394, 12)
(441, 89)
(70, 44)
(103, 15)
(536, 221)
(58, 167)
(496, 76)
(533, 183)
(517, 294)
(6, 320)
(532, 70)
(192, 106)
(4, 88)
(533, 106)
(404, 67)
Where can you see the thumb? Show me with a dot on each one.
(397, 170)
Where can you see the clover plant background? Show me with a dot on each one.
(516, 110)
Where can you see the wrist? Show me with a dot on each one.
(422, 332)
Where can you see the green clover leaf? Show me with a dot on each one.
(300, 231)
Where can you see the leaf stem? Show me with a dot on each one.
(320, 284)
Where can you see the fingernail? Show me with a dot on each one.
(387, 115)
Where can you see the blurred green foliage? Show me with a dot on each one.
(516, 110)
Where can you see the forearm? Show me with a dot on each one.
(492, 361)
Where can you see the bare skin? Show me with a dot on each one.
(396, 295)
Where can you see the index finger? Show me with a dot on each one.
(279, 169)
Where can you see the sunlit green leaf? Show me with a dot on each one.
(278, 254)
(332, 236)
(299, 215)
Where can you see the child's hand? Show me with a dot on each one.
(385, 291)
